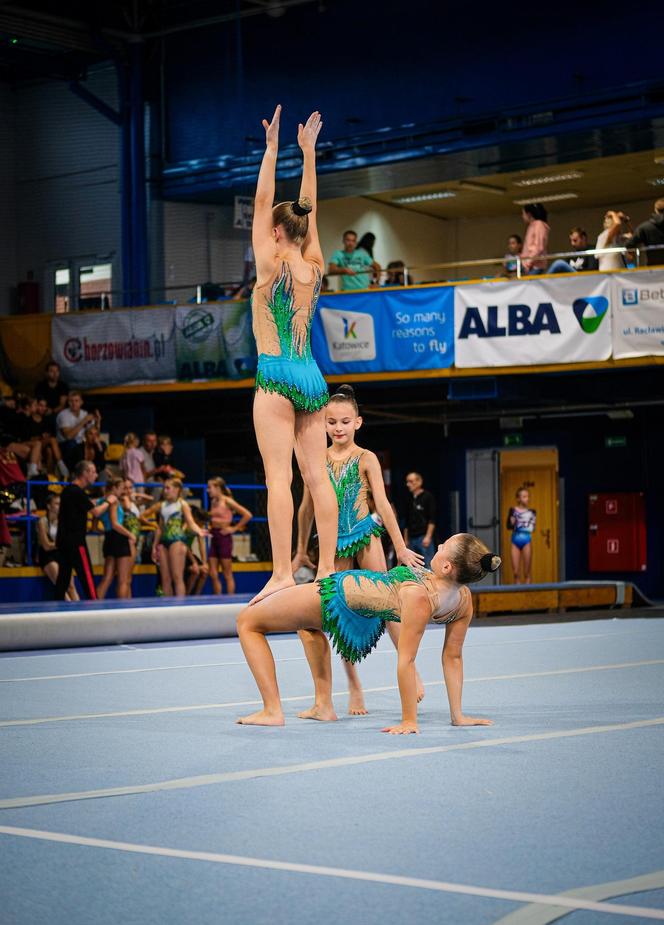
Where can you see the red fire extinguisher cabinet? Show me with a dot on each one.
(617, 532)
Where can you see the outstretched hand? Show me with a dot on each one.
(307, 134)
(411, 559)
(272, 128)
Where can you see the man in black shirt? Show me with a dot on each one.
(420, 518)
(651, 233)
(53, 389)
(75, 505)
(578, 240)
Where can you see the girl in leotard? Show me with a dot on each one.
(357, 478)
(47, 555)
(352, 608)
(169, 549)
(521, 521)
(222, 508)
(290, 390)
(119, 545)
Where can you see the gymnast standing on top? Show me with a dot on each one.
(290, 390)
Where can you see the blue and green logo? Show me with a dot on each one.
(590, 312)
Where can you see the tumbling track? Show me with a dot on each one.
(129, 794)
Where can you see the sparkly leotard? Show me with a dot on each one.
(522, 521)
(356, 525)
(172, 523)
(356, 604)
(283, 309)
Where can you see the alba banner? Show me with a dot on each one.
(638, 314)
(532, 323)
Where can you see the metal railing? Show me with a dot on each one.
(30, 519)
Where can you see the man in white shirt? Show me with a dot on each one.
(72, 423)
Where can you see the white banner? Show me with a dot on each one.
(638, 313)
(112, 348)
(528, 323)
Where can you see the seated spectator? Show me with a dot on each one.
(366, 245)
(163, 459)
(92, 449)
(651, 234)
(514, 246)
(71, 425)
(131, 461)
(47, 556)
(617, 229)
(53, 389)
(147, 448)
(578, 240)
(28, 435)
(536, 239)
(51, 456)
(351, 265)
(395, 274)
(12, 483)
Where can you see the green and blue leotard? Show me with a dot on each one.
(356, 525)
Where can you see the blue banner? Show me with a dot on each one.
(394, 330)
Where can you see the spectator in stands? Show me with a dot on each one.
(366, 245)
(147, 448)
(51, 455)
(514, 247)
(169, 550)
(197, 569)
(617, 228)
(395, 274)
(420, 518)
(536, 240)
(71, 425)
(75, 505)
(93, 449)
(131, 461)
(578, 240)
(28, 435)
(12, 484)
(223, 507)
(53, 389)
(354, 267)
(163, 456)
(651, 234)
(47, 556)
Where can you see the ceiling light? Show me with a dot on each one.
(482, 187)
(552, 198)
(549, 178)
(656, 181)
(425, 197)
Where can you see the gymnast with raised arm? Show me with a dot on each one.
(352, 608)
(290, 390)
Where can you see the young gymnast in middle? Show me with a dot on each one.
(357, 478)
(352, 608)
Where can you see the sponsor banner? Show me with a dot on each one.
(112, 348)
(385, 331)
(531, 323)
(638, 314)
(214, 341)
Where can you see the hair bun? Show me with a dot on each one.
(346, 389)
(302, 206)
(490, 562)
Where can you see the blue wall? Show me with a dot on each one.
(366, 66)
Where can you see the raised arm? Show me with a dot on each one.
(415, 613)
(306, 138)
(455, 633)
(384, 508)
(262, 239)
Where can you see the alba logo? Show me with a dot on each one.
(590, 312)
(350, 335)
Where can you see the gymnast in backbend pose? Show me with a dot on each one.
(352, 608)
(357, 478)
(290, 390)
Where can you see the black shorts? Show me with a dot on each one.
(116, 545)
(44, 556)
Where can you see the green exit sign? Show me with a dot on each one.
(615, 441)
(512, 439)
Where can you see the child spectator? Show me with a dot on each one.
(514, 246)
(47, 556)
(119, 544)
(222, 507)
(131, 461)
(169, 550)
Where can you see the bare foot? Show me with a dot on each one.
(356, 706)
(420, 687)
(322, 714)
(262, 718)
(273, 585)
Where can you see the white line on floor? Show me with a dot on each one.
(295, 658)
(440, 886)
(206, 780)
(150, 711)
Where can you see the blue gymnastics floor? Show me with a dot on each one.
(129, 795)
